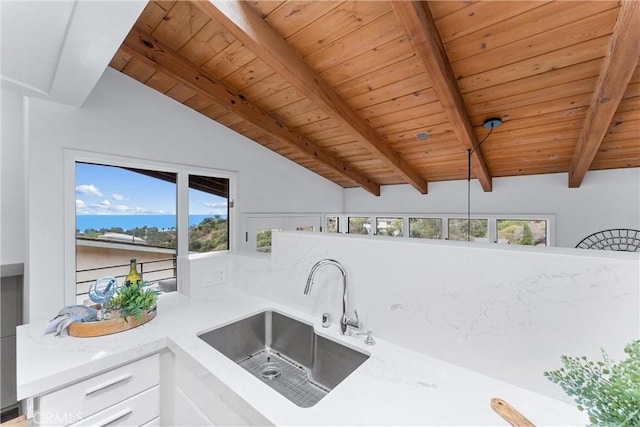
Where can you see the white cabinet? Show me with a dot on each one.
(11, 317)
(127, 395)
(202, 399)
(186, 412)
(135, 411)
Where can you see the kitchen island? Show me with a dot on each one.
(395, 386)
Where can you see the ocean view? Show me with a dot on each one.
(128, 222)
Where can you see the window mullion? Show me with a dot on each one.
(182, 213)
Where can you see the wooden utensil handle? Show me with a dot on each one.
(510, 414)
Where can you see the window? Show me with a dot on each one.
(303, 223)
(123, 213)
(389, 226)
(127, 208)
(522, 232)
(425, 228)
(333, 224)
(535, 230)
(260, 228)
(208, 214)
(479, 231)
(359, 225)
(263, 239)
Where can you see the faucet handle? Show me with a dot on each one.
(354, 323)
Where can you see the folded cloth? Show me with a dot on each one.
(69, 314)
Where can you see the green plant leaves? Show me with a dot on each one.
(608, 391)
(133, 300)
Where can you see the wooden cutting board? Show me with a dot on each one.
(510, 414)
(107, 327)
(20, 421)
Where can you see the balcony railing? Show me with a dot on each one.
(152, 271)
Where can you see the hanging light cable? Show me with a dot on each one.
(489, 124)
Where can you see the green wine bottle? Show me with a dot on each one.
(133, 278)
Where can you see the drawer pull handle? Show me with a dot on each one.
(109, 383)
(115, 417)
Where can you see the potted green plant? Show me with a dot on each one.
(135, 299)
(609, 392)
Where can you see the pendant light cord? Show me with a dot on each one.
(469, 153)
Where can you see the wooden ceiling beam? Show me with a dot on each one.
(146, 48)
(257, 35)
(415, 17)
(615, 75)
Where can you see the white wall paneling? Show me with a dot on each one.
(504, 311)
(12, 180)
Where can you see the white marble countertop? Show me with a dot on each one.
(395, 386)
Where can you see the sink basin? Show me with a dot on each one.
(286, 354)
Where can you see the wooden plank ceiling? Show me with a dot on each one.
(350, 89)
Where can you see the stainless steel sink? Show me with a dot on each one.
(286, 354)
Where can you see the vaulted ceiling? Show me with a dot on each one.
(376, 93)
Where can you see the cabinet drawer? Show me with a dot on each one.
(135, 411)
(84, 398)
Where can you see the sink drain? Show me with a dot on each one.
(270, 370)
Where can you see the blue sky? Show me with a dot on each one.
(108, 190)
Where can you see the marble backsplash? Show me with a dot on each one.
(507, 312)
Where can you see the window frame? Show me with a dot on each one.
(326, 224)
(518, 218)
(443, 227)
(372, 222)
(378, 219)
(464, 219)
(343, 221)
(252, 222)
(230, 203)
(182, 208)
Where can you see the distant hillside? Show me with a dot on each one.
(211, 234)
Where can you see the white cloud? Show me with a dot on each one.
(214, 208)
(106, 207)
(215, 204)
(119, 197)
(81, 207)
(88, 190)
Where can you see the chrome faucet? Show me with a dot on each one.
(345, 321)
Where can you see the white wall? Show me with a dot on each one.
(122, 117)
(507, 312)
(606, 199)
(57, 50)
(125, 118)
(12, 201)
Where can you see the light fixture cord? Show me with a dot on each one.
(470, 152)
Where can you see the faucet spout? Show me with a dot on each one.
(345, 321)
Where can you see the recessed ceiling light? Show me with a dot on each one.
(422, 135)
